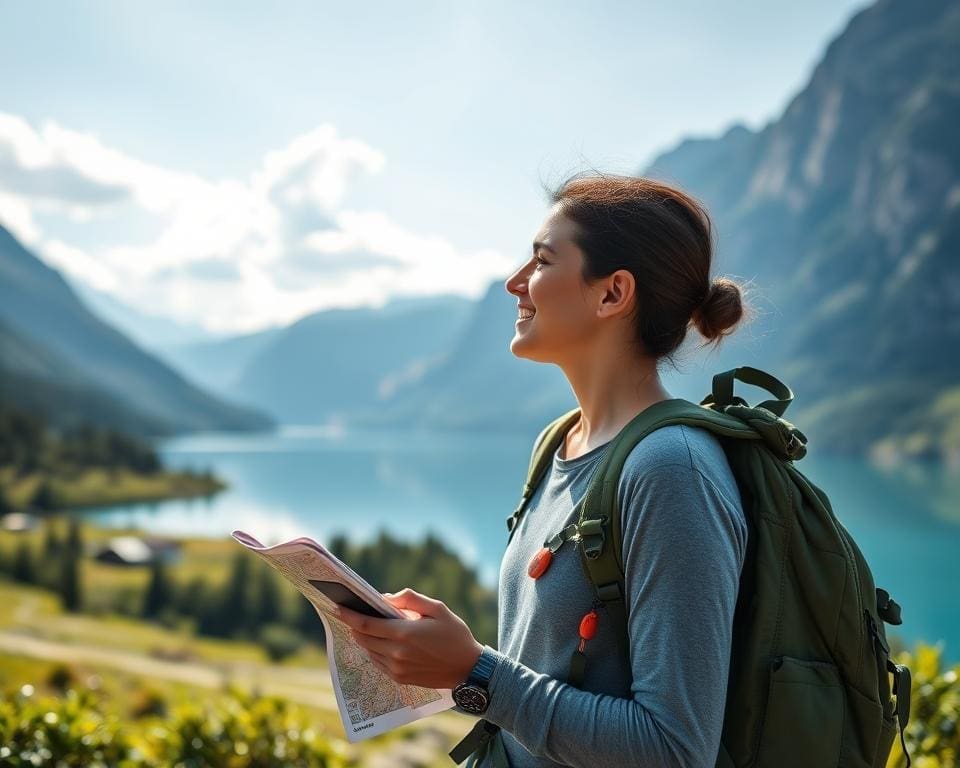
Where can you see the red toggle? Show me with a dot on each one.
(588, 626)
(539, 563)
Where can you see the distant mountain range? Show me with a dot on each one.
(480, 384)
(844, 212)
(332, 364)
(60, 358)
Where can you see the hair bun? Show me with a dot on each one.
(720, 311)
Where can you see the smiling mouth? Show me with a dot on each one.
(524, 314)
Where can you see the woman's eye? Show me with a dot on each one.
(538, 259)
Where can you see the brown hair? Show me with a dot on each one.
(663, 237)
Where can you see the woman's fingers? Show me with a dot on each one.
(398, 671)
(380, 646)
(380, 663)
(371, 625)
(414, 601)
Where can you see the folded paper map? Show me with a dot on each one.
(370, 701)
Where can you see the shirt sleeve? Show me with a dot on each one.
(684, 544)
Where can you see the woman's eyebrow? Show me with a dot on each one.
(537, 245)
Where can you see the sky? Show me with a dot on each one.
(237, 165)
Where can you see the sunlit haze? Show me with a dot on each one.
(238, 165)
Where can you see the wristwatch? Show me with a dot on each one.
(472, 695)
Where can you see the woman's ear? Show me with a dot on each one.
(617, 291)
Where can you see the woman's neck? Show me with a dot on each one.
(611, 388)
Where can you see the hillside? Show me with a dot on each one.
(39, 380)
(75, 349)
(846, 212)
(331, 362)
(480, 383)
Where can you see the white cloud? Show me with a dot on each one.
(57, 165)
(16, 216)
(78, 263)
(284, 243)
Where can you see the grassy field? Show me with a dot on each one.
(136, 667)
(108, 585)
(105, 487)
(140, 668)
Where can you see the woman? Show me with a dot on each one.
(617, 273)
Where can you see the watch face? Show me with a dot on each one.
(471, 698)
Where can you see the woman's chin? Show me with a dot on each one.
(519, 346)
(526, 348)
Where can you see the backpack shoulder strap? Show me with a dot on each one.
(722, 413)
(601, 494)
(599, 521)
(540, 460)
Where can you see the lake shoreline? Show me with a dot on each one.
(105, 488)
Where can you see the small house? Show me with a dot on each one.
(132, 550)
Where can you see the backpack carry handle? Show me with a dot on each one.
(722, 394)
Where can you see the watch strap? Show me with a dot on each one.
(483, 670)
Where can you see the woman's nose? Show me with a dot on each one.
(516, 284)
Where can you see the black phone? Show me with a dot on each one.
(343, 595)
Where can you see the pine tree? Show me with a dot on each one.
(267, 610)
(71, 593)
(52, 553)
(43, 497)
(51, 544)
(235, 605)
(159, 591)
(23, 568)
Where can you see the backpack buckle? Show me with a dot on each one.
(887, 608)
(591, 535)
(515, 517)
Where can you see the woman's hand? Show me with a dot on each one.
(434, 650)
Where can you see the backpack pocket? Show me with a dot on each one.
(888, 732)
(803, 723)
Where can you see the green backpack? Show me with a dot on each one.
(810, 670)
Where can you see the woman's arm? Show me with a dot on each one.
(684, 545)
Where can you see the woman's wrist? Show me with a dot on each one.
(472, 660)
(484, 667)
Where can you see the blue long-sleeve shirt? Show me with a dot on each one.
(684, 539)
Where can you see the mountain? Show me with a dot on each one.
(843, 214)
(480, 383)
(40, 380)
(846, 213)
(219, 363)
(54, 342)
(337, 361)
(150, 331)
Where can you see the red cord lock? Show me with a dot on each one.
(588, 628)
(539, 563)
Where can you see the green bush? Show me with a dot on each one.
(148, 702)
(280, 641)
(68, 731)
(236, 731)
(60, 678)
(240, 732)
(932, 736)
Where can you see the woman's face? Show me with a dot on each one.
(557, 314)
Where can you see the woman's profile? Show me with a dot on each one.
(618, 273)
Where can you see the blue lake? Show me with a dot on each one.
(318, 482)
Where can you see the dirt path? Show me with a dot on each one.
(303, 685)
